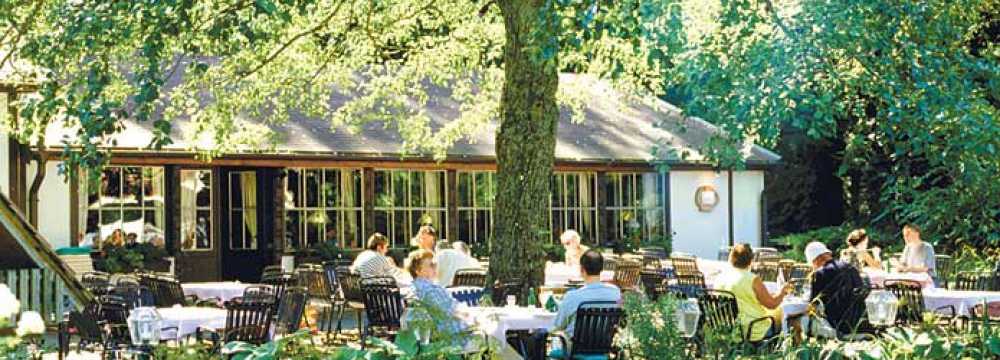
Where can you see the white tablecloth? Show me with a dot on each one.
(496, 321)
(223, 291)
(963, 301)
(189, 319)
(558, 274)
(879, 277)
(712, 268)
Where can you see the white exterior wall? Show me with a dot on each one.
(747, 212)
(53, 205)
(695, 232)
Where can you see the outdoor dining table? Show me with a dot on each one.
(963, 301)
(497, 321)
(559, 274)
(224, 290)
(188, 319)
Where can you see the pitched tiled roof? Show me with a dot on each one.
(614, 129)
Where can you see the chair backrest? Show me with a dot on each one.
(248, 321)
(350, 284)
(681, 293)
(383, 303)
(129, 293)
(799, 271)
(290, 310)
(259, 293)
(627, 275)
(719, 309)
(973, 280)
(168, 292)
(96, 282)
(943, 271)
(502, 290)
(469, 277)
(595, 327)
(653, 251)
(762, 255)
(684, 264)
(694, 281)
(278, 282)
(611, 262)
(911, 300)
(653, 282)
(314, 280)
(766, 270)
(468, 295)
(271, 270)
(113, 313)
(330, 269)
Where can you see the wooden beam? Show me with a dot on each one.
(40, 251)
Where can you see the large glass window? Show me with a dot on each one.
(243, 210)
(475, 206)
(574, 205)
(635, 205)
(196, 210)
(405, 200)
(126, 207)
(323, 205)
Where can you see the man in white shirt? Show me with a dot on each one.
(373, 262)
(451, 260)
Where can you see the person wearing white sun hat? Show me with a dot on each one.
(834, 283)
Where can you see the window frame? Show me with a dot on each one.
(636, 204)
(302, 242)
(242, 208)
(210, 208)
(475, 208)
(591, 236)
(141, 206)
(391, 210)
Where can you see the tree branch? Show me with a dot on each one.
(20, 32)
(322, 24)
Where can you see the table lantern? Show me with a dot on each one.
(687, 315)
(882, 307)
(144, 326)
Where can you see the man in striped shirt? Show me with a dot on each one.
(372, 262)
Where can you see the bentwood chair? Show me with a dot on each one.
(291, 308)
(911, 303)
(102, 324)
(469, 277)
(383, 308)
(245, 322)
(684, 264)
(627, 276)
(693, 283)
(653, 282)
(597, 322)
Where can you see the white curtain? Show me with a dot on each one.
(189, 192)
(432, 197)
(650, 200)
(584, 182)
(349, 219)
(248, 182)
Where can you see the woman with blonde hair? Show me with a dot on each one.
(857, 242)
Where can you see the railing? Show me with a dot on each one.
(38, 290)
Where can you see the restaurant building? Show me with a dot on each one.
(228, 217)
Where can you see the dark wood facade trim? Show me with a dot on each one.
(732, 226)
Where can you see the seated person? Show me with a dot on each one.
(857, 241)
(591, 265)
(373, 263)
(834, 283)
(574, 250)
(752, 297)
(420, 264)
(450, 261)
(918, 256)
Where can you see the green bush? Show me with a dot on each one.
(834, 237)
(653, 335)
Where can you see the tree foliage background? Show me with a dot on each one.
(885, 111)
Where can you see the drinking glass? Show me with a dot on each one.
(511, 300)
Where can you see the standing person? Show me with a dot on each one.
(570, 240)
(918, 256)
(754, 300)
(857, 241)
(373, 262)
(835, 284)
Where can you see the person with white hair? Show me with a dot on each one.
(570, 240)
(451, 260)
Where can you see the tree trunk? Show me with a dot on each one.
(525, 148)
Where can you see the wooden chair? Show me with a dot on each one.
(653, 282)
(259, 293)
(799, 271)
(96, 282)
(766, 255)
(291, 308)
(469, 277)
(383, 308)
(973, 281)
(611, 262)
(502, 290)
(627, 275)
(278, 281)
(911, 302)
(684, 264)
(766, 270)
(245, 321)
(692, 282)
(597, 322)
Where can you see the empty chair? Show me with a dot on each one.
(691, 282)
(314, 280)
(96, 282)
(653, 282)
(767, 270)
(799, 271)
(627, 275)
(469, 277)
(943, 272)
(102, 323)
(684, 264)
(911, 302)
(503, 289)
(278, 281)
(290, 310)
(259, 293)
(973, 280)
(595, 327)
(350, 286)
(611, 262)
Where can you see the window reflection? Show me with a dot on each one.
(405, 200)
(635, 206)
(124, 207)
(323, 205)
(196, 209)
